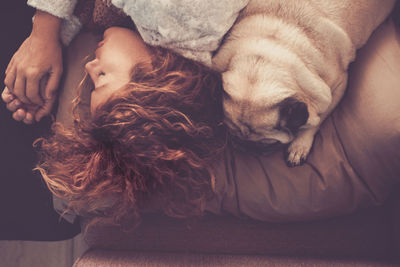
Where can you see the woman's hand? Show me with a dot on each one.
(37, 61)
(21, 112)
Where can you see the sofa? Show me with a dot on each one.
(367, 238)
(366, 233)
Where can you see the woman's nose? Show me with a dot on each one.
(93, 67)
(90, 68)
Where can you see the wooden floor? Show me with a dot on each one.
(41, 254)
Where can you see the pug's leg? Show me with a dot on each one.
(300, 147)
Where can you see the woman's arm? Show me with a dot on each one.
(37, 61)
(32, 76)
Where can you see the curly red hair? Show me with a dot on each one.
(152, 142)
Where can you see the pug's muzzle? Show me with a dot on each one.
(293, 114)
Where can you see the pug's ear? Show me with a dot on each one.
(293, 114)
(223, 56)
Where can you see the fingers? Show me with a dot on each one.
(21, 109)
(14, 105)
(10, 66)
(45, 109)
(24, 84)
(10, 77)
(29, 118)
(52, 83)
(19, 114)
(7, 96)
(19, 89)
(24, 116)
(34, 61)
(32, 89)
(26, 87)
(49, 92)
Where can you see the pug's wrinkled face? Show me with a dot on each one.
(261, 102)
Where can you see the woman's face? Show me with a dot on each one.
(116, 56)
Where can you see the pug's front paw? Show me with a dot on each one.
(299, 149)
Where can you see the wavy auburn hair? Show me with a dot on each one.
(152, 142)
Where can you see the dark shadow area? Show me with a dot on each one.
(25, 202)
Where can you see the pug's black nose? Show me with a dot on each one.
(293, 114)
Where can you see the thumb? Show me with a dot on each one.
(50, 84)
(45, 109)
(48, 88)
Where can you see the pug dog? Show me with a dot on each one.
(284, 67)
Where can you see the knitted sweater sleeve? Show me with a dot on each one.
(63, 9)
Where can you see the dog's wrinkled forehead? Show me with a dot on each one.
(240, 89)
(255, 78)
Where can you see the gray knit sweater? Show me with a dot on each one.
(192, 28)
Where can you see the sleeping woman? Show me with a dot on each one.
(154, 130)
